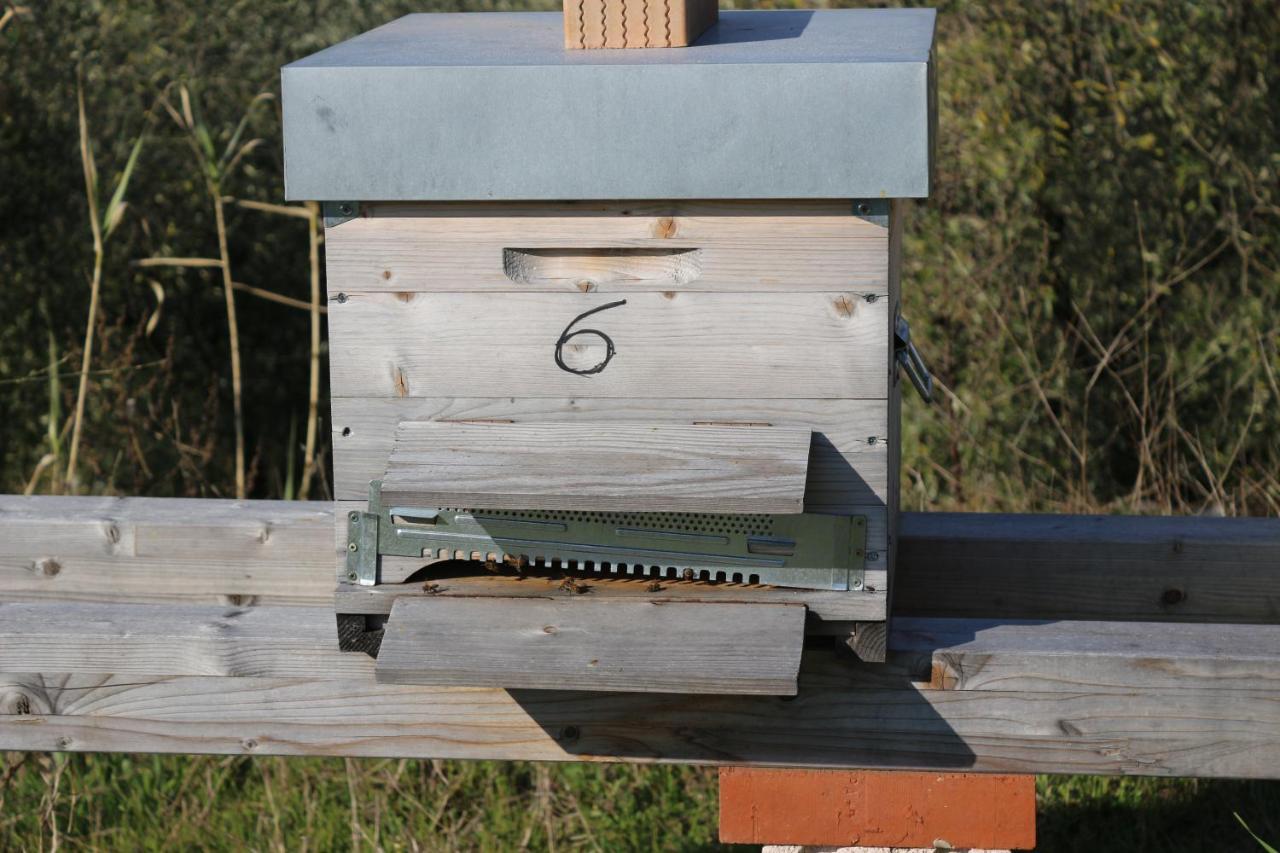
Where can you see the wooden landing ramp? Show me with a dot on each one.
(613, 645)
(194, 626)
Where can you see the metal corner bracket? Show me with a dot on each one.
(338, 212)
(873, 210)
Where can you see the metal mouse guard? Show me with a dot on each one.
(807, 550)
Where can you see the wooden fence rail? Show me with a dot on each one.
(1020, 644)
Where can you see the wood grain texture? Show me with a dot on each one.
(846, 466)
(1089, 567)
(952, 564)
(178, 639)
(843, 717)
(597, 644)
(823, 606)
(740, 246)
(615, 467)
(1053, 657)
(718, 345)
(165, 549)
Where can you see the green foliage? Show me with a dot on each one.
(1095, 276)
(149, 802)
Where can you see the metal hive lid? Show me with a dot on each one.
(476, 106)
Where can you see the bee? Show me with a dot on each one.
(431, 588)
(653, 586)
(491, 566)
(571, 586)
(519, 562)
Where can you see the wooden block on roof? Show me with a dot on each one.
(637, 467)
(636, 23)
(576, 643)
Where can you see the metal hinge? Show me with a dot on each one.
(909, 358)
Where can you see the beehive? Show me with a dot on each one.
(726, 215)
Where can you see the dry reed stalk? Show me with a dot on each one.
(233, 334)
(216, 169)
(11, 14)
(272, 296)
(91, 193)
(313, 391)
(310, 212)
(101, 230)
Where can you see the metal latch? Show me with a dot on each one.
(909, 357)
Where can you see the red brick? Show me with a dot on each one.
(877, 808)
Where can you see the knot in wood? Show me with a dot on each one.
(48, 567)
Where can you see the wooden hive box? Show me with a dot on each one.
(732, 260)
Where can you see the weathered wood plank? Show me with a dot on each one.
(186, 639)
(600, 644)
(618, 467)
(1089, 567)
(952, 564)
(846, 466)
(1052, 657)
(716, 345)
(840, 607)
(165, 549)
(838, 720)
(739, 246)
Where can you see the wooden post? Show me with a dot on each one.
(877, 808)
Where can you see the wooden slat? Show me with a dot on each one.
(716, 345)
(178, 639)
(846, 467)
(600, 644)
(618, 467)
(824, 606)
(951, 564)
(1055, 657)
(741, 246)
(1089, 567)
(165, 549)
(846, 714)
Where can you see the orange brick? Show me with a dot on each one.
(877, 808)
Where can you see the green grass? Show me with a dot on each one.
(148, 802)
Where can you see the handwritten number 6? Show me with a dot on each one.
(568, 335)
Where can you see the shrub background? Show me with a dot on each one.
(1095, 283)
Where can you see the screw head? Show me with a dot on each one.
(353, 547)
(871, 297)
(863, 207)
(871, 439)
(856, 585)
(352, 576)
(353, 515)
(345, 209)
(341, 298)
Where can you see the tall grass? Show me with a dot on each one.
(216, 169)
(101, 231)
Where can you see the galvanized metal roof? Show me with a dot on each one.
(472, 106)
